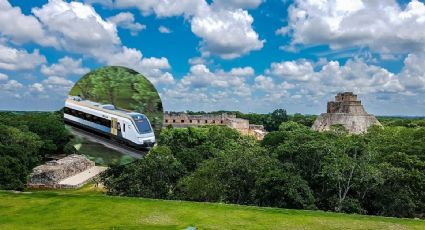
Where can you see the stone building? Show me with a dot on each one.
(184, 120)
(348, 111)
(60, 173)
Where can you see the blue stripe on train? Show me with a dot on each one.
(90, 124)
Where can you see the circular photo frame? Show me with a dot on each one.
(115, 114)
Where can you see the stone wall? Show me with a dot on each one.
(183, 120)
(49, 174)
(355, 124)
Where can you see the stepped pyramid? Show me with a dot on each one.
(346, 110)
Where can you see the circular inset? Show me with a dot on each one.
(116, 107)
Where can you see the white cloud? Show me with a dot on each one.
(11, 86)
(36, 87)
(227, 33)
(200, 76)
(205, 89)
(3, 77)
(413, 73)
(164, 30)
(383, 26)
(331, 77)
(245, 71)
(81, 29)
(19, 59)
(235, 4)
(107, 3)
(164, 8)
(199, 60)
(78, 27)
(126, 20)
(300, 70)
(155, 63)
(153, 68)
(65, 66)
(22, 28)
(57, 81)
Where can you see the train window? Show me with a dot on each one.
(123, 127)
(106, 123)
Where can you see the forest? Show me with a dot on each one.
(378, 173)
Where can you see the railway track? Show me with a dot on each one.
(108, 143)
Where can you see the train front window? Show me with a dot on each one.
(142, 124)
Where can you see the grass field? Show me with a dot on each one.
(89, 209)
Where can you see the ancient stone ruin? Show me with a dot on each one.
(346, 110)
(184, 120)
(53, 172)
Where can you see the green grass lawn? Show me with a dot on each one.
(89, 209)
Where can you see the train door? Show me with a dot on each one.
(124, 135)
(114, 126)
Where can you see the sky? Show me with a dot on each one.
(206, 55)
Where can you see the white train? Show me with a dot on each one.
(132, 128)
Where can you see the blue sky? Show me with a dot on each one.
(250, 55)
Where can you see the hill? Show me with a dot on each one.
(87, 209)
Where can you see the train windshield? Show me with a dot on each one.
(142, 123)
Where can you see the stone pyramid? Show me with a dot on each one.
(346, 110)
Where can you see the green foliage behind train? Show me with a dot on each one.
(124, 88)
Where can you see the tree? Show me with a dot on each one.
(154, 176)
(85, 86)
(106, 82)
(284, 188)
(19, 153)
(229, 177)
(51, 130)
(145, 94)
(348, 166)
(275, 119)
(192, 146)
(290, 126)
(306, 120)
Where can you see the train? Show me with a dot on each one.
(127, 127)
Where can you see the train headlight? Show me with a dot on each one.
(146, 140)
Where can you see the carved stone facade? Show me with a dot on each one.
(183, 120)
(348, 111)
